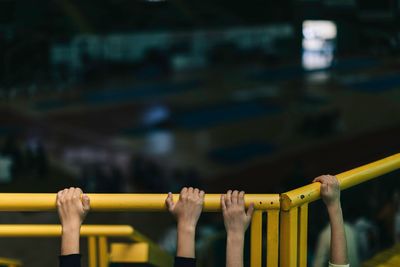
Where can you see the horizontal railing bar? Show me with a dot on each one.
(54, 230)
(124, 202)
(10, 262)
(347, 179)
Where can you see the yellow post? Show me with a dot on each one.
(256, 239)
(302, 241)
(103, 251)
(272, 238)
(92, 251)
(288, 242)
(140, 253)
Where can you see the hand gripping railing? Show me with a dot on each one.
(294, 208)
(287, 214)
(264, 203)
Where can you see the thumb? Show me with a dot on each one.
(170, 202)
(86, 202)
(250, 210)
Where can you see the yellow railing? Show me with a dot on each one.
(294, 208)
(286, 224)
(264, 203)
(124, 202)
(98, 235)
(10, 262)
(387, 258)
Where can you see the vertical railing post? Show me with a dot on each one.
(256, 239)
(272, 238)
(288, 238)
(92, 251)
(302, 237)
(103, 251)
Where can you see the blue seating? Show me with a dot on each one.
(376, 84)
(142, 92)
(222, 114)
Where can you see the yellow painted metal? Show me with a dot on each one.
(288, 238)
(54, 230)
(10, 262)
(103, 251)
(272, 238)
(302, 238)
(124, 202)
(97, 237)
(129, 253)
(311, 192)
(140, 253)
(92, 251)
(256, 239)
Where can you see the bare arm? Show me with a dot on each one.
(187, 212)
(330, 193)
(72, 211)
(236, 221)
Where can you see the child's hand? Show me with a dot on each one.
(71, 208)
(330, 189)
(188, 209)
(236, 218)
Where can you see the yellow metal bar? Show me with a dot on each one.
(129, 253)
(54, 230)
(272, 238)
(347, 179)
(256, 240)
(143, 253)
(10, 262)
(92, 251)
(302, 239)
(124, 202)
(103, 251)
(288, 238)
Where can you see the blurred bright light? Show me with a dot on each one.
(321, 29)
(319, 41)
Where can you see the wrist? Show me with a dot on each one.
(335, 213)
(235, 235)
(186, 228)
(334, 206)
(71, 228)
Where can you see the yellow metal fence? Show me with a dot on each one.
(99, 253)
(286, 223)
(294, 208)
(10, 262)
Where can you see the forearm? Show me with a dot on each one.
(70, 241)
(338, 235)
(234, 250)
(186, 241)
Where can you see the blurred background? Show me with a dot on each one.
(152, 95)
